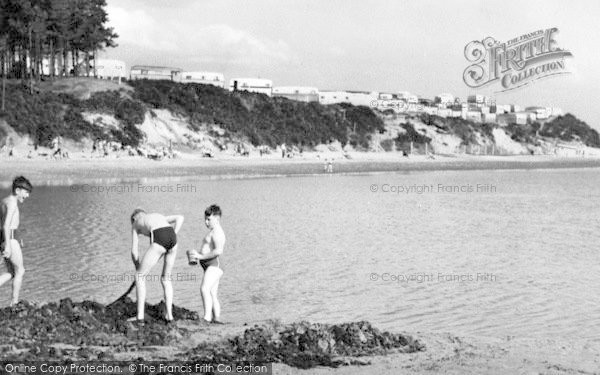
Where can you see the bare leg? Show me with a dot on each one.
(8, 274)
(211, 276)
(150, 259)
(215, 300)
(16, 271)
(166, 281)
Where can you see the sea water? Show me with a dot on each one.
(488, 253)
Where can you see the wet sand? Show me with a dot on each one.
(125, 169)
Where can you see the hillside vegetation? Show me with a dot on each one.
(257, 118)
(260, 119)
(45, 115)
(565, 128)
(263, 120)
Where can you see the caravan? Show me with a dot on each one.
(205, 78)
(297, 93)
(258, 85)
(153, 72)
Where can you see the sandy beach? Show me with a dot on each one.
(78, 169)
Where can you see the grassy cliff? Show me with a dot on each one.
(259, 119)
(54, 110)
(44, 115)
(263, 120)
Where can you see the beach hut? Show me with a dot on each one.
(153, 72)
(258, 85)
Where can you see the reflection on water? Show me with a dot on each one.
(519, 260)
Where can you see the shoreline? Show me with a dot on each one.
(43, 172)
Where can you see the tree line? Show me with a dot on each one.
(64, 32)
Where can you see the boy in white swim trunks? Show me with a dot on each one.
(211, 261)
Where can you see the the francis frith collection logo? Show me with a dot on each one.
(515, 63)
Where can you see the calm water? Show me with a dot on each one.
(518, 260)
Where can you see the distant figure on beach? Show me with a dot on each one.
(328, 166)
(10, 239)
(56, 148)
(11, 147)
(210, 260)
(163, 243)
(283, 150)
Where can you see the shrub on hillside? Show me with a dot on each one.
(363, 123)
(39, 115)
(522, 133)
(259, 118)
(388, 145)
(568, 128)
(46, 115)
(79, 128)
(411, 135)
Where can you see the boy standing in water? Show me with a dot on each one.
(10, 240)
(163, 243)
(210, 260)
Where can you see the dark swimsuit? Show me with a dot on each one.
(215, 262)
(14, 235)
(165, 237)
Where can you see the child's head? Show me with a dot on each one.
(212, 215)
(212, 210)
(21, 187)
(136, 213)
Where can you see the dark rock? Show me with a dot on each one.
(86, 325)
(306, 345)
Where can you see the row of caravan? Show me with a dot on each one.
(176, 74)
(258, 85)
(112, 68)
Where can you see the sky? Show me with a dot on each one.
(386, 46)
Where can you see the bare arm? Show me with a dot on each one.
(135, 255)
(218, 239)
(11, 210)
(177, 219)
